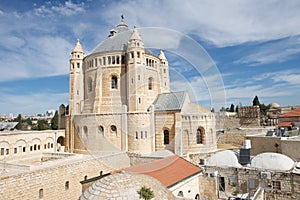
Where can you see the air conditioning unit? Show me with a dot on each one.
(265, 175)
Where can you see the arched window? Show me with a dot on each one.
(200, 136)
(166, 137)
(142, 136)
(90, 85)
(145, 134)
(113, 129)
(66, 185)
(41, 193)
(118, 59)
(101, 130)
(197, 197)
(150, 83)
(114, 82)
(109, 60)
(136, 135)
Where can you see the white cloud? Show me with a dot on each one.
(279, 85)
(40, 57)
(68, 8)
(223, 23)
(289, 77)
(277, 51)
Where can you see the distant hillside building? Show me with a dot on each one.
(120, 99)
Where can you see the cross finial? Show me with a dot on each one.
(122, 16)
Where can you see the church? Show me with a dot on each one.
(120, 100)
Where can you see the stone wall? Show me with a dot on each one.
(249, 116)
(288, 147)
(280, 185)
(136, 159)
(52, 180)
(264, 144)
(16, 145)
(230, 134)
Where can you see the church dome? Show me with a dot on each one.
(274, 105)
(116, 41)
(125, 185)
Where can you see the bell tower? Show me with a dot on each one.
(164, 71)
(76, 79)
(136, 82)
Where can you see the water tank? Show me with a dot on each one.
(247, 144)
(244, 156)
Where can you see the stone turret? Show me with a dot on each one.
(76, 77)
(164, 67)
(136, 73)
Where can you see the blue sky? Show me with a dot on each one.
(254, 44)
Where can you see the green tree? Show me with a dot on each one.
(264, 109)
(231, 108)
(256, 101)
(19, 119)
(54, 121)
(146, 193)
(41, 125)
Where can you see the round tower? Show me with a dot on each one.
(136, 82)
(164, 71)
(76, 79)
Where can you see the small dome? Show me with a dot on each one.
(225, 158)
(274, 105)
(125, 185)
(272, 161)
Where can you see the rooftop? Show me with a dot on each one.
(272, 161)
(169, 171)
(292, 113)
(169, 101)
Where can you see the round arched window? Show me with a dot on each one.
(113, 128)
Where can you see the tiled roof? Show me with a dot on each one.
(285, 124)
(168, 171)
(293, 113)
(169, 101)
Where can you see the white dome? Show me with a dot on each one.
(274, 105)
(225, 158)
(124, 185)
(272, 161)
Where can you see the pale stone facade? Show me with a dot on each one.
(57, 179)
(120, 99)
(15, 145)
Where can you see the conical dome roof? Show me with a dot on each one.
(78, 47)
(161, 55)
(135, 35)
